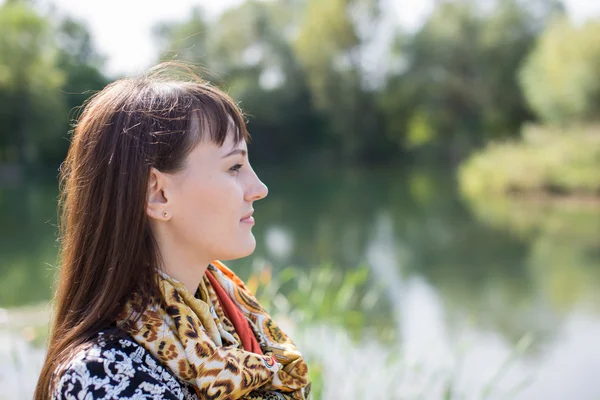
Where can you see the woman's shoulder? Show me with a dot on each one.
(113, 366)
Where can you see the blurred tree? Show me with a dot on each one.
(81, 65)
(249, 47)
(300, 70)
(30, 100)
(561, 77)
(331, 43)
(457, 85)
(80, 61)
(184, 40)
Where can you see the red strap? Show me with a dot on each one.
(234, 314)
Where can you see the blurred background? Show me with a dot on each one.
(433, 224)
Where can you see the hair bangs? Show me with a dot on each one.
(213, 117)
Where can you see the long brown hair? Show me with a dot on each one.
(107, 248)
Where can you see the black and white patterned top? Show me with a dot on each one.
(115, 367)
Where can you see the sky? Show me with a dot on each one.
(122, 29)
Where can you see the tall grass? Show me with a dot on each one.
(333, 317)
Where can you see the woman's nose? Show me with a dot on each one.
(257, 190)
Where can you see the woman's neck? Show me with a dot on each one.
(190, 277)
(181, 259)
(185, 266)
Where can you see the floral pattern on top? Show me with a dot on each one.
(115, 367)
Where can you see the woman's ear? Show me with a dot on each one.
(157, 206)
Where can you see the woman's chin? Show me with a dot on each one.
(244, 250)
(251, 246)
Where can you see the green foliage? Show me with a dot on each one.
(561, 77)
(79, 61)
(248, 48)
(29, 82)
(295, 68)
(185, 40)
(457, 78)
(45, 68)
(323, 294)
(420, 131)
(331, 47)
(545, 160)
(298, 69)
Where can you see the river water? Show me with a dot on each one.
(480, 299)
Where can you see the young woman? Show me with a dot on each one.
(156, 188)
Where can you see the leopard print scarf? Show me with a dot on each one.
(192, 336)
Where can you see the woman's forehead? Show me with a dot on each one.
(209, 150)
(230, 144)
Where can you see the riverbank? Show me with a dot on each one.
(546, 164)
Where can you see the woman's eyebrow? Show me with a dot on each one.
(234, 152)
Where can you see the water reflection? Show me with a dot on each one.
(385, 259)
(27, 243)
(464, 279)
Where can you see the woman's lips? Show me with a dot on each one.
(248, 218)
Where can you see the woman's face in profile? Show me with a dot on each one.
(211, 198)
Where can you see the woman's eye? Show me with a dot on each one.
(235, 168)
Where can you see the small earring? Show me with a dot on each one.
(165, 214)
